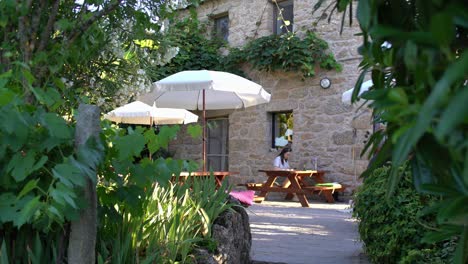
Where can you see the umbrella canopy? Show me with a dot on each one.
(206, 90)
(346, 96)
(222, 91)
(143, 114)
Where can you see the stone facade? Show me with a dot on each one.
(324, 127)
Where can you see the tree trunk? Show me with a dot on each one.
(81, 247)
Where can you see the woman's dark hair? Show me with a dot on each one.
(283, 151)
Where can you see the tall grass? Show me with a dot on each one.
(175, 219)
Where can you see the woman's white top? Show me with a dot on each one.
(277, 163)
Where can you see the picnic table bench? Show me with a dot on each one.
(219, 176)
(297, 185)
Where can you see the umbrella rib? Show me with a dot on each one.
(198, 100)
(243, 104)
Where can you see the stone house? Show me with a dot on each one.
(325, 131)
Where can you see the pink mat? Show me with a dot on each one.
(245, 197)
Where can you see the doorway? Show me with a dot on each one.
(217, 144)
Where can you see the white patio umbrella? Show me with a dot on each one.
(346, 96)
(142, 114)
(206, 90)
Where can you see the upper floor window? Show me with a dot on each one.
(283, 16)
(282, 129)
(221, 26)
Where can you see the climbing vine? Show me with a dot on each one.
(286, 52)
(290, 53)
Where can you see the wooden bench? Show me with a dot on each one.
(301, 187)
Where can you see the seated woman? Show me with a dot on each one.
(281, 163)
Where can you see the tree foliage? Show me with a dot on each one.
(415, 52)
(53, 56)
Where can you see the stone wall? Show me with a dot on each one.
(324, 127)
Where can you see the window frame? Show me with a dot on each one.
(282, 4)
(273, 124)
(215, 19)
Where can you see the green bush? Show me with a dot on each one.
(392, 229)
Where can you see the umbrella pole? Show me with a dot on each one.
(151, 127)
(204, 133)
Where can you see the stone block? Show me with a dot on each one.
(333, 107)
(343, 138)
(298, 93)
(362, 122)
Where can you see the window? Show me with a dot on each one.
(283, 18)
(221, 24)
(282, 129)
(217, 147)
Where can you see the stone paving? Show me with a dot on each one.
(284, 232)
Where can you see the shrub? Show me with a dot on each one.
(392, 229)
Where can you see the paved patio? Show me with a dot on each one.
(284, 232)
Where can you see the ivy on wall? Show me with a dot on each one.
(289, 53)
(286, 52)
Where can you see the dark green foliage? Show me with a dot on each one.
(290, 53)
(271, 53)
(392, 229)
(196, 52)
(416, 54)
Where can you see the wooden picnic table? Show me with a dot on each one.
(218, 175)
(297, 185)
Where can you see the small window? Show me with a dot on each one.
(221, 29)
(282, 129)
(283, 17)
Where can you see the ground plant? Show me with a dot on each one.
(415, 53)
(392, 229)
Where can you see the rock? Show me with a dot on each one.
(231, 231)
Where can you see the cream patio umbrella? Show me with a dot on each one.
(139, 113)
(346, 96)
(206, 90)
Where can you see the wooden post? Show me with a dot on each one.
(82, 243)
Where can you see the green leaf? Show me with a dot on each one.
(130, 145)
(443, 234)
(21, 166)
(455, 113)
(166, 134)
(195, 131)
(454, 72)
(455, 211)
(442, 28)
(6, 95)
(65, 24)
(4, 253)
(421, 174)
(364, 14)
(461, 252)
(56, 126)
(7, 207)
(31, 185)
(89, 157)
(28, 77)
(68, 175)
(411, 55)
(27, 212)
(63, 195)
(152, 139)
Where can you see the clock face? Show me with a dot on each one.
(325, 83)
